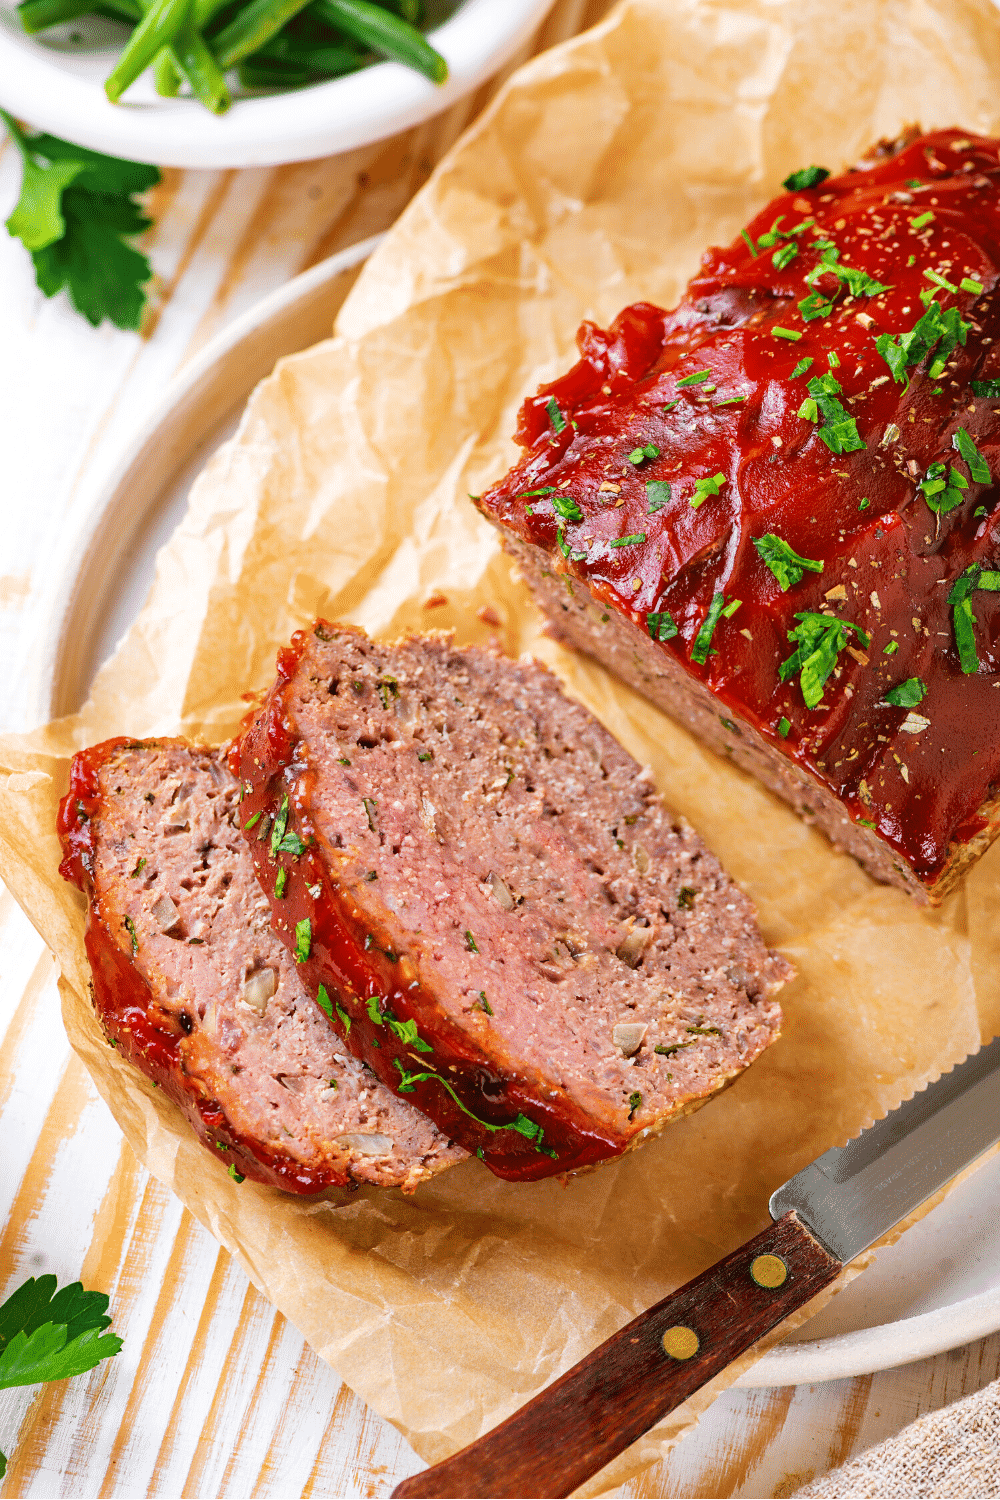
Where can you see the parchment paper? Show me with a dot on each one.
(597, 177)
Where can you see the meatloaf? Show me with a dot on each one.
(485, 891)
(192, 986)
(773, 510)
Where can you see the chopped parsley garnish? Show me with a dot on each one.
(251, 821)
(528, 1128)
(660, 626)
(840, 432)
(698, 378)
(784, 255)
(639, 455)
(866, 823)
(670, 405)
(546, 489)
(864, 503)
(786, 564)
(890, 649)
(942, 488)
(140, 866)
(566, 506)
(820, 639)
(785, 333)
(324, 1002)
(960, 598)
(907, 694)
(686, 896)
(634, 1101)
(802, 366)
(934, 328)
(833, 361)
(978, 467)
(374, 1014)
(986, 388)
(425, 755)
(280, 824)
(939, 280)
(729, 401)
(236, 1176)
(922, 219)
(704, 488)
(967, 284)
(815, 306)
(291, 844)
(344, 1017)
(303, 940)
(752, 247)
(371, 810)
(730, 610)
(657, 494)
(555, 415)
(859, 283)
(703, 640)
(628, 541)
(805, 177)
(483, 1003)
(280, 883)
(783, 727)
(470, 942)
(130, 929)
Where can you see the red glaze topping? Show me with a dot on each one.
(724, 389)
(122, 999)
(362, 977)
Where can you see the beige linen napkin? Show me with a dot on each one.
(952, 1454)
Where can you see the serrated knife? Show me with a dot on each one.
(823, 1218)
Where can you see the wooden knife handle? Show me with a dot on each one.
(593, 1412)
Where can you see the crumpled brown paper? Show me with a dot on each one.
(597, 177)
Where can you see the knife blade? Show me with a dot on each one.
(823, 1217)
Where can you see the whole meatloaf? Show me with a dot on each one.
(192, 986)
(773, 510)
(483, 890)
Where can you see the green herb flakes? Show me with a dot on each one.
(922, 219)
(470, 942)
(820, 639)
(279, 826)
(978, 467)
(528, 1128)
(750, 244)
(685, 897)
(236, 1176)
(698, 378)
(546, 489)
(784, 256)
(658, 494)
(303, 940)
(703, 640)
(634, 1102)
(802, 366)
(783, 727)
(731, 608)
(989, 388)
(840, 431)
(371, 810)
(864, 503)
(942, 488)
(425, 755)
(960, 598)
(280, 883)
(804, 178)
(670, 406)
(639, 455)
(483, 1004)
(130, 929)
(345, 1019)
(374, 1014)
(816, 305)
(661, 626)
(140, 866)
(907, 694)
(936, 328)
(555, 415)
(705, 488)
(890, 649)
(941, 281)
(866, 823)
(628, 541)
(729, 401)
(566, 506)
(809, 411)
(324, 1002)
(785, 333)
(786, 564)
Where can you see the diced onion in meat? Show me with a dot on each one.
(501, 892)
(366, 1145)
(627, 1037)
(258, 989)
(631, 949)
(641, 859)
(165, 914)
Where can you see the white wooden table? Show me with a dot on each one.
(215, 1393)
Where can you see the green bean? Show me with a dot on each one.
(256, 24)
(120, 10)
(384, 33)
(157, 29)
(205, 11)
(331, 61)
(37, 15)
(196, 61)
(167, 75)
(253, 76)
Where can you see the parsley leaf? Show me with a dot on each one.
(859, 283)
(303, 940)
(786, 565)
(703, 640)
(661, 626)
(908, 694)
(555, 415)
(815, 306)
(528, 1128)
(960, 598)
(801, 368)
(784, 255)
(566, 506)
(905, 349)
(658, 494)
(703, 488)
(279, 826)
(698, 378)
(978, 467)
(628, 541)
(841, 432)
(805, 177)
(942, 489)
(75, 212)
(986, 388)
(820, 640)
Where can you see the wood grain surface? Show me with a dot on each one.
(215, 1394)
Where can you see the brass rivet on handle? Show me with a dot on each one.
(680, 1342)
(769, 1271)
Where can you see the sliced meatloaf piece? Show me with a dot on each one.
(487, 894)
(191, 984)
(774, 510)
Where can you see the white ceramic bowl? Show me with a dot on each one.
(55, 83)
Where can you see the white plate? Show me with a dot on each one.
(57, 85)
(939, 1285)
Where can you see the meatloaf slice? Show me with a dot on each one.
(485, 890)
(774, 510)
(191, 984)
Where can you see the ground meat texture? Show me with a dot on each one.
(495, 901)
(191, 984)
(801, 461)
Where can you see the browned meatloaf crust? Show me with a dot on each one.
(773, 510)
(487, 894)
(192, 985)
